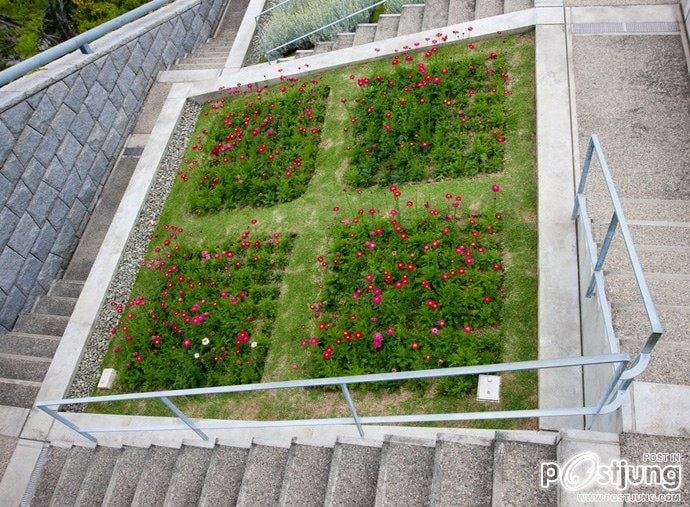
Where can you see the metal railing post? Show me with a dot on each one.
(601, 258)
(56, 415)
(173, 408)
(613, 382)
(353, 411)
(584, 174)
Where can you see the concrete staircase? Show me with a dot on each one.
(396, 471)
(415, 18)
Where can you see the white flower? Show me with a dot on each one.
(254, 344)
(196, 355)
(205, 341)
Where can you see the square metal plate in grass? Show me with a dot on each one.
(489, 388)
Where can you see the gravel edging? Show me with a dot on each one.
(88, 371)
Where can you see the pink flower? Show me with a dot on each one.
(390, 331)
(434, 331)
(314, 341)
(377, 340)
(495, 188)
(186, 343)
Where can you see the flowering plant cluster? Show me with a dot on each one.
(263, 151)
(208, 315)
(429, 117)
(409, 288)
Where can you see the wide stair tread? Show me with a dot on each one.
(673, 234)
(463, 469)
(671, 210)
(666, 289)
(265, 466)
(653, 258)
(323, 47)
(97, 476)
(50, 475)
(37, 323)
(66, 288)
(364, 34)
(72, 476)
(18, 393)
(343, 40)
(155, 478)
(411, 19)
(516, 469)
(517, 5)
(224, 476)
(55, 305)
(669, 362)
(460, 11)
(353, 473)
(13, 366)
(306, 475)
(435, 14)
(387, 26)
(125, 476)
(631, 323)
(187, 478)
(405, 472)
(488, 8)
(29, 344)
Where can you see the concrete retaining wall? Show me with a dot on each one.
(61, 131)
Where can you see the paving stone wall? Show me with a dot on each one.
(61, 131)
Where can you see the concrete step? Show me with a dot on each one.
(405, 472)
(125, 476)
(460, 11)
(196, 66)
(23, 367)
(29, 344)
(301, 53)
(517, 5)
(669, 363)
(652, 233)
(306, 475)
(516, 469)
(203, 59)
(364, 34)
(187, 478)
(98, 475)
(387, 26)
(36, 323)
(411, 19)
(72, 476)
(18, 393)
(670, 210)
(224, 476)
(265, 466)
(323, 47)
(487, 8)
(631, 323)
(155, 477)
(55, 305)
(463, 468)
(66, 288)
(354, 471)
(435, 14)
(665, 289)
(343, 40)
(50, 475)
(653, 258)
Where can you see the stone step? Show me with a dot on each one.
(23, 367)
(653, 258)
(353, 473)
(669, 363)
(66, 288)
(187, 478)
(155, 477)
(387, 26)
(405, 472)
(29, 344)
(364, 34)
(460, 11)
(203, 59)
(301, 53)
(72, 476)
(487, 8)
(631, 323)
(516, 468)
(517, 5)
(196, 66)
(668, 210)
(36, 323)
(463, 468)
(411, 19)
(224, 476)
(125, 476)
(98, 475)
(18, 393)
(435, 14)
(306, 475)
(55, 305)
(323, 47)
(343, 40)
(665, 289)
(265, 466)
(652, 233)
(50, 475)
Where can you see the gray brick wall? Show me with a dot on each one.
(60, 133)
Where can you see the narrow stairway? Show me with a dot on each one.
(397, 471)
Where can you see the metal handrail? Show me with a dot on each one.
(80, 42)
(297, 39)
(621, 360)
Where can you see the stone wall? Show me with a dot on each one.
(61, 131)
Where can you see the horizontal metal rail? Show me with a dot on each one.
(80, 42)
(301, 37)
(343, 383)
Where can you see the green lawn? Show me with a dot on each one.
(309, 218)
